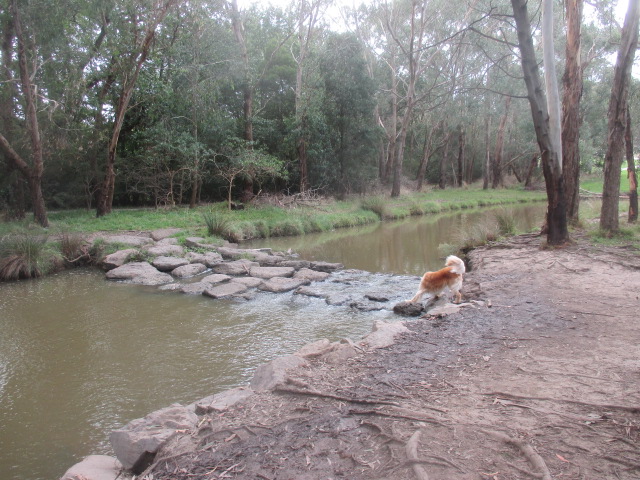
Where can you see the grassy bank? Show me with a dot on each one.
(257, 221)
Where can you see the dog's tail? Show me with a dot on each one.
(456, 263)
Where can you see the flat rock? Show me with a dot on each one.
(237, 267)
(215, 278)
(171, 287)
(189, 270)
(315, 349)
(199, 242)
(137, 443)
(141, 273)
(310, 292)
(377, 297)
(282, 284)
(383, 334)
(129, 240)
(166, 250)
(326, 266)
(166, 264)
(250, 282)
(163, 233)
(274, 373)
(117, 259)
(311, 275)
(94, 467)
(222, 401)
(209, 259)
(196, 288)
(297, 264)
(338, 299)
(224, 290)
(270, 272)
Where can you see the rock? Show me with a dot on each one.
(408, 309)
(238, 253)
(94, 467)
(326, 266)
(340, 353)
(163, 233)
(118, 258)
(297, 264)
(282, 284)
(224, 290)
(274, 373)
(315, 349)
(141, 273)
(168, 241)
(366, 306)
(384, 334)
(166, 250)
(129, 240)
(237, 267)
(166, 264)
(309, 292)
(376, 297)
(250, 282)
(198, 242)
(270, 272)
(214, 279)
(222, 401)
(137, 443)
(196, 288)
(209, 259)
(170, 287)
(311, 275)
(448, 309)
(189, 270)
(338, 299)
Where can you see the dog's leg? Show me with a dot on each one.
(418, 295)
(458, 296)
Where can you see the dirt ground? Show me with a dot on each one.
(542, 381)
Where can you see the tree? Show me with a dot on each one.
(631, 173)
(572, 93)
(129, 76)
(249, 164)
(547, 135)
(617, 119)
(32, 171)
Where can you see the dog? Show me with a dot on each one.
(448, 277)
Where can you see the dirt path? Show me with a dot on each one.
(544, 383)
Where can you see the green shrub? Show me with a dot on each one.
(286, 228)
(73, 247)
(217, 224)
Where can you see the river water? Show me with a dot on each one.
(81, 356)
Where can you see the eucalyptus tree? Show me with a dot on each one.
(617, 118)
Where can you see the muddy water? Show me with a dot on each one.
(80, 356)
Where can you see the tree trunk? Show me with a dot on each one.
(486, 171)
(497, 157)
(32, 173)
(461, 157)
(617, 119)
(443, 162)
(532, 167)
(106, 189)
(427, 151)
(556, 222)
(631, 173)
(572, 93)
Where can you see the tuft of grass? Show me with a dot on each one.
(24, 255)
(506, 221)
(287, 228)
(216, 223)
(376, 205)
(73, 247)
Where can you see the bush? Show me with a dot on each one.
(23, 255)
(377, 205)
(506, 222)
(217, 224)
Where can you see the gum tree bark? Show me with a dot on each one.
(548, 141)
(631, 173)
(617, 119)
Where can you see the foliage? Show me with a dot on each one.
(377, 205)
(217, 224)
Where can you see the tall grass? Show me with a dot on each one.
(23, 255)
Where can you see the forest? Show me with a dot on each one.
(117, 103)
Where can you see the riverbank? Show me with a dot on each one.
(539, 380)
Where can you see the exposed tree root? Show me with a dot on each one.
(606, 406)
(527, 450)
(316, 393)
(411, 450)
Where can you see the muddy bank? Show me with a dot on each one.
(540, 381)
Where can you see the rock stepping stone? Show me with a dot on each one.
(167, 264)
(141, 273)
(225, 290)
(270, 272)
(282, 284)
(166, 250)
(311, 275)
(189, 270)
(237, 267)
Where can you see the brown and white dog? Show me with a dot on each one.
(436, 282)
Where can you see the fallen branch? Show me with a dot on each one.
(400, 413)
(411, 450)
(527, 450)
(316, 393)
(606, 406)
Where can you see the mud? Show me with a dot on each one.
(541, 380)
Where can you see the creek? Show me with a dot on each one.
(81, 356)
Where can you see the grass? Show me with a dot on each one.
(26, 254)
